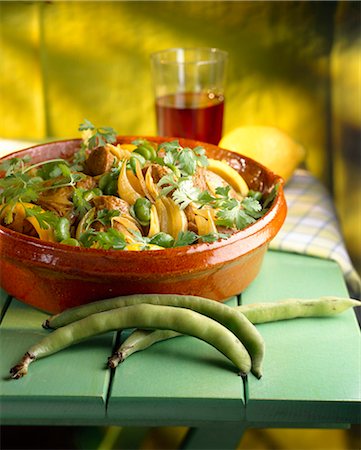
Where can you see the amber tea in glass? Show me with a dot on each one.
(189, 93)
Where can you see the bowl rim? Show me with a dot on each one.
(238, 236)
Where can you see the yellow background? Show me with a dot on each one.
(294, 65)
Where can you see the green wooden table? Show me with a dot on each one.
(311, 372)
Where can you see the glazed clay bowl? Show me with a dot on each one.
(54, 277)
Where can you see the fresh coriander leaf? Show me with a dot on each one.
(223, 191)
(99, 137)
(170, 146)
(20, 187)
(252, 207)
(271, 196)
(81, 205)
(209, 238)
(200, 153)
(169, 182)
(86, 125)
(13, 165)
(234, 218)
(46, 219)
(185, 193)
(110, 239)
(185, 238)
(213, 237)
(187, 161)
(206, 198)
(79, 158)
(105, 216)
(255, 194)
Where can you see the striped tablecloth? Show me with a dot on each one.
(312, 227)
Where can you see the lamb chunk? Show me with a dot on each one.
(158, 171)
(191, 218)
(110, 202)
(99, 161)
(199, 179)
(57, 200)
(87, 182)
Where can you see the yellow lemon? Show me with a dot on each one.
(268, 145)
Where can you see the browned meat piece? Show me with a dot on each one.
(199, 179)
(213, 181)
(158, 171)
(86, 183)
(191, 218)
(57, 200)
(99, 161)
(110, 202)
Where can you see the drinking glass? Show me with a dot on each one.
(189, 92)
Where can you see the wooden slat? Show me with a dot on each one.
(181, 381)
(4, 302)
(312, 366)
(71, 384)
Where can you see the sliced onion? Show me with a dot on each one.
(140, 176)
(162, 215)
(125, 189)
(177, 220)
(81, 228)
(154, 226)
(152, 187)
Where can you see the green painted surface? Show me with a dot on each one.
(311, 370)
(70, 384)
(4, 302)
(312, 366)
(179, 381)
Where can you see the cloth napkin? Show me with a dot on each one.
(312, 228)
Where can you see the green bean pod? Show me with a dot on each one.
(293, 308)
(139, 340)
(245, 331)
(257, 313)
(147, 316)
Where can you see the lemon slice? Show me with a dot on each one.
(138, 246)
(230, 175)
(267, 145)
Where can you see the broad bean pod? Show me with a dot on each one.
(245, 331)
(139, 340)
(257, 313)
(293, 308)
(147, 316)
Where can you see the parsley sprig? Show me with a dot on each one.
(92, 137)
(97, 137)
(46, 219)
(109, 239)
(184, 159)
(24, 183)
